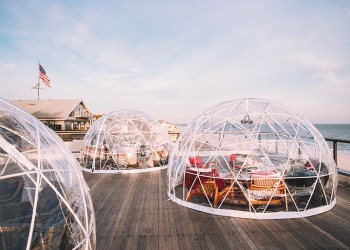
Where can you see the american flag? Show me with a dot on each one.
(43, 76)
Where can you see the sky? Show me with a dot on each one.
(174, 59)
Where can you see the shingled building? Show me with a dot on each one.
(69, 118)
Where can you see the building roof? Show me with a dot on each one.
(169, 127)
(48, 109)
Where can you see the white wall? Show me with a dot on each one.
(74, 146)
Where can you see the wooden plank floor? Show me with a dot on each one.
(133, 212)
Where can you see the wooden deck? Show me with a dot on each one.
(133, 212)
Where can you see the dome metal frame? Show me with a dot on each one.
(125, 141)
(252, 158)
(45, 202)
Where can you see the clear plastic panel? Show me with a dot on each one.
(252, 156)
(44, 200)
(125, 140)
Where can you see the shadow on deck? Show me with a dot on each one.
(133, 212)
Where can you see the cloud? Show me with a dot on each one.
(315, 62)
(174, 60)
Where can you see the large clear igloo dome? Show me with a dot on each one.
(253, 158)
(125, 141)
(44, 200)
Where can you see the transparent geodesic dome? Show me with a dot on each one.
(125, 141)
(44, 200)
(252, 158)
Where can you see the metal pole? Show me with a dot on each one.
(335, 150)
(38, 82)
(276, 146)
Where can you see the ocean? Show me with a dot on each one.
(332, 131)
(336, 131)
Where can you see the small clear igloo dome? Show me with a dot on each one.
(44, 200)
(253, 158)
(125, 141)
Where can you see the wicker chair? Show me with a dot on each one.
(267, 190)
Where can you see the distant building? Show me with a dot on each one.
(173, 131)
(69, 118)
(97, 116)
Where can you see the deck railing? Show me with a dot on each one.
(341, 157)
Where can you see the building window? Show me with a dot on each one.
(68, 126)
(57, 127)
(75, 125)
(51, 125)
(71, 114)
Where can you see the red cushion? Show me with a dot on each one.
(196, 161)
(192, 179)
(233, 157)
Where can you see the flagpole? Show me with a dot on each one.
(38, 81)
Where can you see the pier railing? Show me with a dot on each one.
(341, 157)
